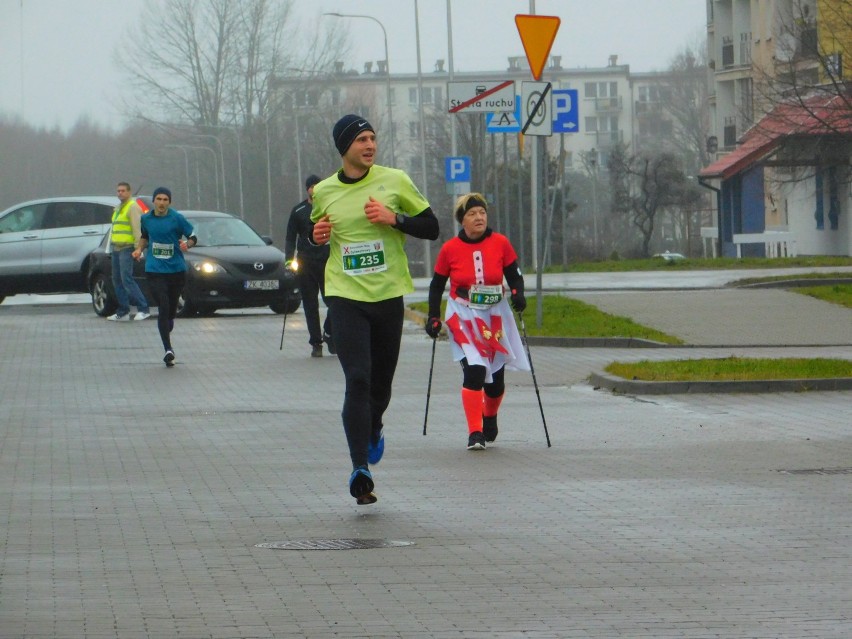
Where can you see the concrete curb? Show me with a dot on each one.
(637, 387)
(796, 283)
(640, 387)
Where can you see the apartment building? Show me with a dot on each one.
(614, 107)
(780, 108)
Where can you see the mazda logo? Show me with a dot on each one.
(258, 266)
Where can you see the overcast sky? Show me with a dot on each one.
(56, 56)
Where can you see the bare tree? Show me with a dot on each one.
(644, 186)
(182, 66)
(687, 103)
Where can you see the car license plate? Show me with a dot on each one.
(262, 285)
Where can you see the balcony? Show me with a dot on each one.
(646, 107)
(604, 105)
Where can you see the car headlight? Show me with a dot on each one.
(208, 268)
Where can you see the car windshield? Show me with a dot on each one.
(224, 231)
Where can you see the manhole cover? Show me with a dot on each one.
(334, 544)
(817, 471)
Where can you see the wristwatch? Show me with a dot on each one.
(400, 220)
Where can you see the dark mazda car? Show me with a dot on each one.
(231, 267)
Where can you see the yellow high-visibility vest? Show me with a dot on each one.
(122, 231)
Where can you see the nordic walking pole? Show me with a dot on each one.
(429, 387)
(283, 326)
(535, 383)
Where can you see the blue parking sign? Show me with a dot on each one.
(457, 169)
(566, 111)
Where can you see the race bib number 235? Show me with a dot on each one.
(363, 257)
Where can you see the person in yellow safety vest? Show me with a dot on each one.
(124, 239)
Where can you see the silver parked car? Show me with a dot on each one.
(45, 244)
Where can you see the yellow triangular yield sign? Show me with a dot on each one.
(537, 36)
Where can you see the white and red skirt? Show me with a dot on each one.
(486, 337)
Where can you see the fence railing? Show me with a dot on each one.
(775, 243)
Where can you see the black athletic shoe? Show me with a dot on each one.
(476, 441)
(316, 351)
(169, 359)
(361, 486)
(489, 428)
(329, 343)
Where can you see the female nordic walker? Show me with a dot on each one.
(484, 336)
(163, 230)
(364, 211)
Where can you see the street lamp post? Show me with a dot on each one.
(387, 71)
(593, 160)
(215, 171)
(427, 256)
(268, 176)
(186, 165)
(221, 155)
(236, 131)
(184, 147)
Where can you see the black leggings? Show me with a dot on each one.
(311, 277)
(474, 379)
(166, 289)
(367, 336)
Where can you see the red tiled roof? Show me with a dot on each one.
(813, 116)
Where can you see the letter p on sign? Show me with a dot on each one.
(457, 169)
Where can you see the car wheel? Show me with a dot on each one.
(286, 307)
(102, 300)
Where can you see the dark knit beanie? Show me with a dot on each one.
(312, 179)
(475, 199)
(347, 129)
(162, 190)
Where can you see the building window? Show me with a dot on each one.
(590, 89)
(412, 96)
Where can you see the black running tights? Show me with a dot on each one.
(367, 336)
(166, 289)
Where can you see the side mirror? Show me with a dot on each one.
(267, 239)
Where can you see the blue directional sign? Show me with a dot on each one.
(566, 111)
(509, 122)
(457, 169)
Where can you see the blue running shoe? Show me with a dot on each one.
(361, 486)
(376, 448)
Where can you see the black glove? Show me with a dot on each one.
(519, 302)
(433, 327)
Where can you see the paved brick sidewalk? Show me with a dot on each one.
(731, 316)
(132, 496)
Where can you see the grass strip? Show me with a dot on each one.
(731, 369)
(836, 293)
(567, 317)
